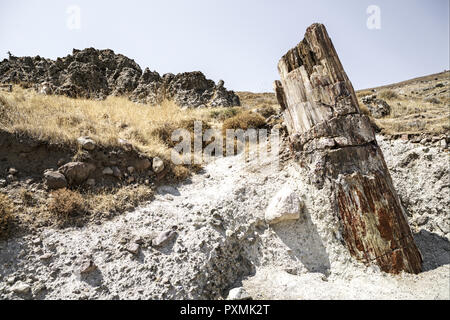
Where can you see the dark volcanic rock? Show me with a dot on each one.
(95, 74)
(378, 108)
(190, 89)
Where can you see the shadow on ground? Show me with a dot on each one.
(434, 248)
(303, 239)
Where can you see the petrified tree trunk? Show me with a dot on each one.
(338, 144)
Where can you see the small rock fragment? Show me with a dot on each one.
(238, 294)
(133, 248)
(86, 143)
(45, 256)
(163, 238)
(116, 172)
(158, 165)
(87, 266)
(108, 171)
(125, 144)
(21, 288)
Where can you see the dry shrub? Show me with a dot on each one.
(222, 114)
(118, 200)
(26, 197)
(65, 203)
(164, 131)
(180, 172)
(387, 95)
(245, 120)
(267, 111)
(6, 210)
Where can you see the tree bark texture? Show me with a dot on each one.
(338, 143)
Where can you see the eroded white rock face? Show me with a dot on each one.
(286, 205)
(222, 241)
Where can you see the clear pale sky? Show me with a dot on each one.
(237, 41)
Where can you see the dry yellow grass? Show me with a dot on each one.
(410, 115)
(250, 100)
(61, 120)
(420, 105)
(109, 202)
(387, 94)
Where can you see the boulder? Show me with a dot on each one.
(285, 206)
(76, 172)
(378, 108)
(87, 266)
(54, 180)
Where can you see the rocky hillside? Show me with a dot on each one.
(417, 108)
(96, 74)
(127, 228)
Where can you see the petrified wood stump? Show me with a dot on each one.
(338, 142)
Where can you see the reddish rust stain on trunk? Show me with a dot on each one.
(374, 225)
